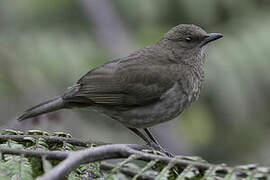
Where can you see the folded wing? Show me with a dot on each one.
(126, 85)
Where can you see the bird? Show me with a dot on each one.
(152, 85)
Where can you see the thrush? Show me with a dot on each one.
(149, 86)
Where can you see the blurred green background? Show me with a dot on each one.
(45, 46)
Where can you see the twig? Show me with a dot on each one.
(129, 172)
(121, 164)
(144, 169)
(58, 155)
(52, 139)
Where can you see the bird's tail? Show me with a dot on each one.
(45, 107)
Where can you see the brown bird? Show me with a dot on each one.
(150, 86)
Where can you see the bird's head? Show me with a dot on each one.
(188, 41)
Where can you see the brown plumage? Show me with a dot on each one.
(152, 85)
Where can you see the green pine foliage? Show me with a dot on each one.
(27, 168)
(19, 167)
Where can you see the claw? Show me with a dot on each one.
(157, 147)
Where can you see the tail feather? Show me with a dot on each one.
(45, 107)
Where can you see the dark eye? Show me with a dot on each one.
(188, 39)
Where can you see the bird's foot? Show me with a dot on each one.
(159, 148)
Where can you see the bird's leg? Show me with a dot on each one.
(141, 135)
(147, 131)
(153, 143)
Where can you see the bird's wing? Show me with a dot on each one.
(125, 85)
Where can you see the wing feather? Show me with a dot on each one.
(127, 82)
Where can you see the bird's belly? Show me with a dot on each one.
(167, 108)
(154, 114)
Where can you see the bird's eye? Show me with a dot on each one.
(188, 39)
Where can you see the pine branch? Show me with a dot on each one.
(105, 152)
(51, 139)
(180, 167)
(57, 155)
(129, 172)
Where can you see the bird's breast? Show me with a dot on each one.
(192, 83)
(195, 89)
